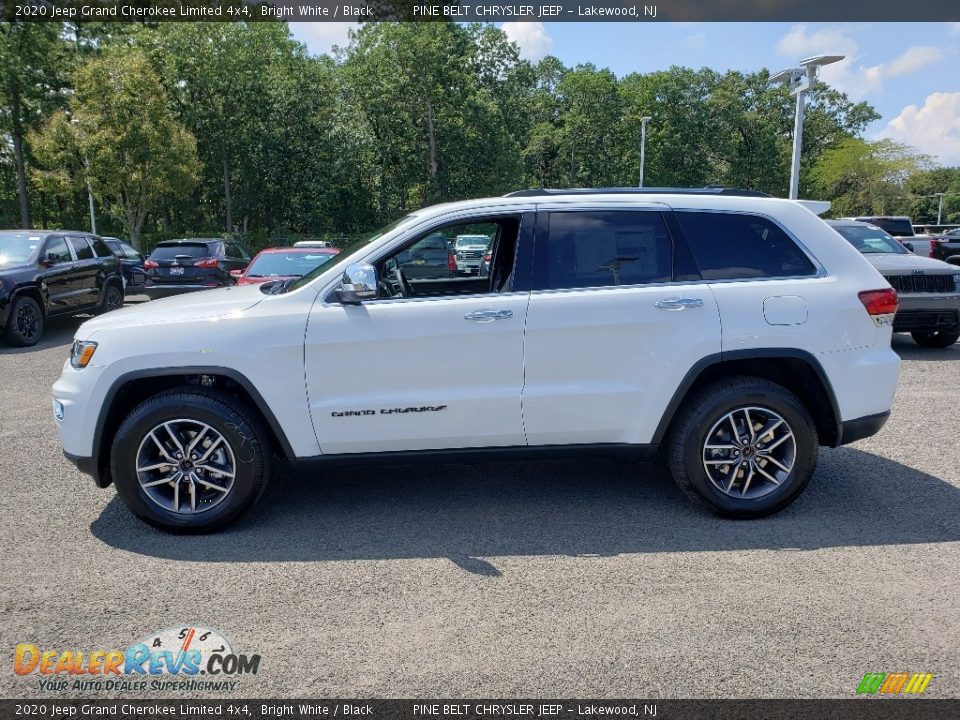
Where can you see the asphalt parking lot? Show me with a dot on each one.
(583, 578)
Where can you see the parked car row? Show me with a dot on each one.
(45, 273)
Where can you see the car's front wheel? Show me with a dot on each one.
(936, 339)
(26, 321)
(745, 446)
(190, 460)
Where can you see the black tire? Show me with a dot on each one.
(112, 298)
(936, 339)
(239, 427)
(25, 323)
(703, 413)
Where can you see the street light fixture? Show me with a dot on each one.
(643, 144)
(799, 80)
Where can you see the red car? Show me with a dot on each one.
(283, 264)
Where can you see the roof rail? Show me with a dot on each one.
(708, 190)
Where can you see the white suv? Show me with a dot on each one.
(733, 331)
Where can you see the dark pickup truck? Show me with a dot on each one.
(946, 247)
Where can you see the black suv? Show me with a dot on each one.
(53, 272)
(179, 266)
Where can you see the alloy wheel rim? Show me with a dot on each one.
(28, 322)
(185, 466)
(749, 452)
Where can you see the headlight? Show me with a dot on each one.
(956, 282)
(82, 353)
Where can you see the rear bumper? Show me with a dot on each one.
(862, 427)
(159, 291)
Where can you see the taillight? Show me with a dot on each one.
(150, 264)
(933, 245)
(206, 263)
(452, 262)
(880, 302)
(486, 257)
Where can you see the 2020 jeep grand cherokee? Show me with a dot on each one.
(732, 331)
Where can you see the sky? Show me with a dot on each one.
(909, 72)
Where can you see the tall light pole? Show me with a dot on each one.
(643, 144)
(799, 80)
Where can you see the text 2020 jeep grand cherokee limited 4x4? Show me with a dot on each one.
(731, 330)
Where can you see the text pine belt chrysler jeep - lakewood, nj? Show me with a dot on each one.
(732, 331)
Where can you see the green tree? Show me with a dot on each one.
(32, 60)
(862, 177)
(119, 136)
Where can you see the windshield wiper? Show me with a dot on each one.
(281, 286)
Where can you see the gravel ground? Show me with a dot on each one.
(583, 578)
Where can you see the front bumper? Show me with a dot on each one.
(88, 466)
(927, 312)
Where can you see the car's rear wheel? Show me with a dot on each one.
(936, 339)
(190, 461)
(26, 322)
(745, 447)
(112, 298)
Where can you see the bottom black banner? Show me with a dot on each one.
(306, 709)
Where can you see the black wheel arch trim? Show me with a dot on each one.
(32, 288)
(750, 354)
(229, 373)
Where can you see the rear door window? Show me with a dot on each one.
(728, 246)
(81, 248)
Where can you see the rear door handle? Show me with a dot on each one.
(678, 303)
(487, 316)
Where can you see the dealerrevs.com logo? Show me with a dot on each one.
(188, 658)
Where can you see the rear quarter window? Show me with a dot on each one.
(101, 248)
(729, 246)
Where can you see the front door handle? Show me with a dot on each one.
(678, 303)
(487, 316)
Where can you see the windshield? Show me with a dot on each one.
(870, 240)
(169, 252)
(286, 264)
(16, 248)
(464, 240)
(344, 256)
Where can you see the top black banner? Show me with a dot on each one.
(522, 10)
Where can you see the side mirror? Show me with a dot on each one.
(908, 246)
(236, 273)
(50, 260)
(359, 283)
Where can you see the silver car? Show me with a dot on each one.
(469, 251)
(929, 289)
